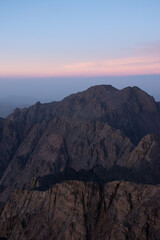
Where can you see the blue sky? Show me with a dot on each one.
(50, 48)
(74, 38)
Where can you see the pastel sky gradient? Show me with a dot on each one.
(45, 38)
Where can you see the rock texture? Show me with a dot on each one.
(96, 130)
(59, 162)
(11, 135)
(130, 109)
(145, 158)
(75, 210)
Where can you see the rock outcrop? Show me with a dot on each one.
(84, 168)
(130, 109)
(76, 210)
(95, 130)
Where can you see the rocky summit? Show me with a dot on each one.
(87, 167)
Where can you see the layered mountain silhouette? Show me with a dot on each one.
(8, 104)
(83, 142)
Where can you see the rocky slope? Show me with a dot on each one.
(64, 158)
(76, 210)
(130, 109)
(91, 146)
(96, 130)
(11, 135)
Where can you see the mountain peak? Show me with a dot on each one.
(102, 87)
(131, 109)
(99, 90)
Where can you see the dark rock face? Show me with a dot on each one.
(11, 135)
(94, 129)
(51, 147)
(130, 109)
(145, 159)
(82, 143)
(75, 210)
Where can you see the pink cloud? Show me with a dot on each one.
(120, 66)
(149, 49)
(124, 66)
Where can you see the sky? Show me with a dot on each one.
(64, 40)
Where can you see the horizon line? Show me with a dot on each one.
(78, 76)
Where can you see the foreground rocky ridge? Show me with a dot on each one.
(77, 210)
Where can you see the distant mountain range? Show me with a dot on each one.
(87, 167)
(8, 104)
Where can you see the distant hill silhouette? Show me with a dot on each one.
(8, 104)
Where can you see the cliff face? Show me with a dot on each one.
(130, 109)
(75, 210)
(50, 147)
(11, 135)
(95, 130)
(84, 143)
(91, 145)
(145, 159)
